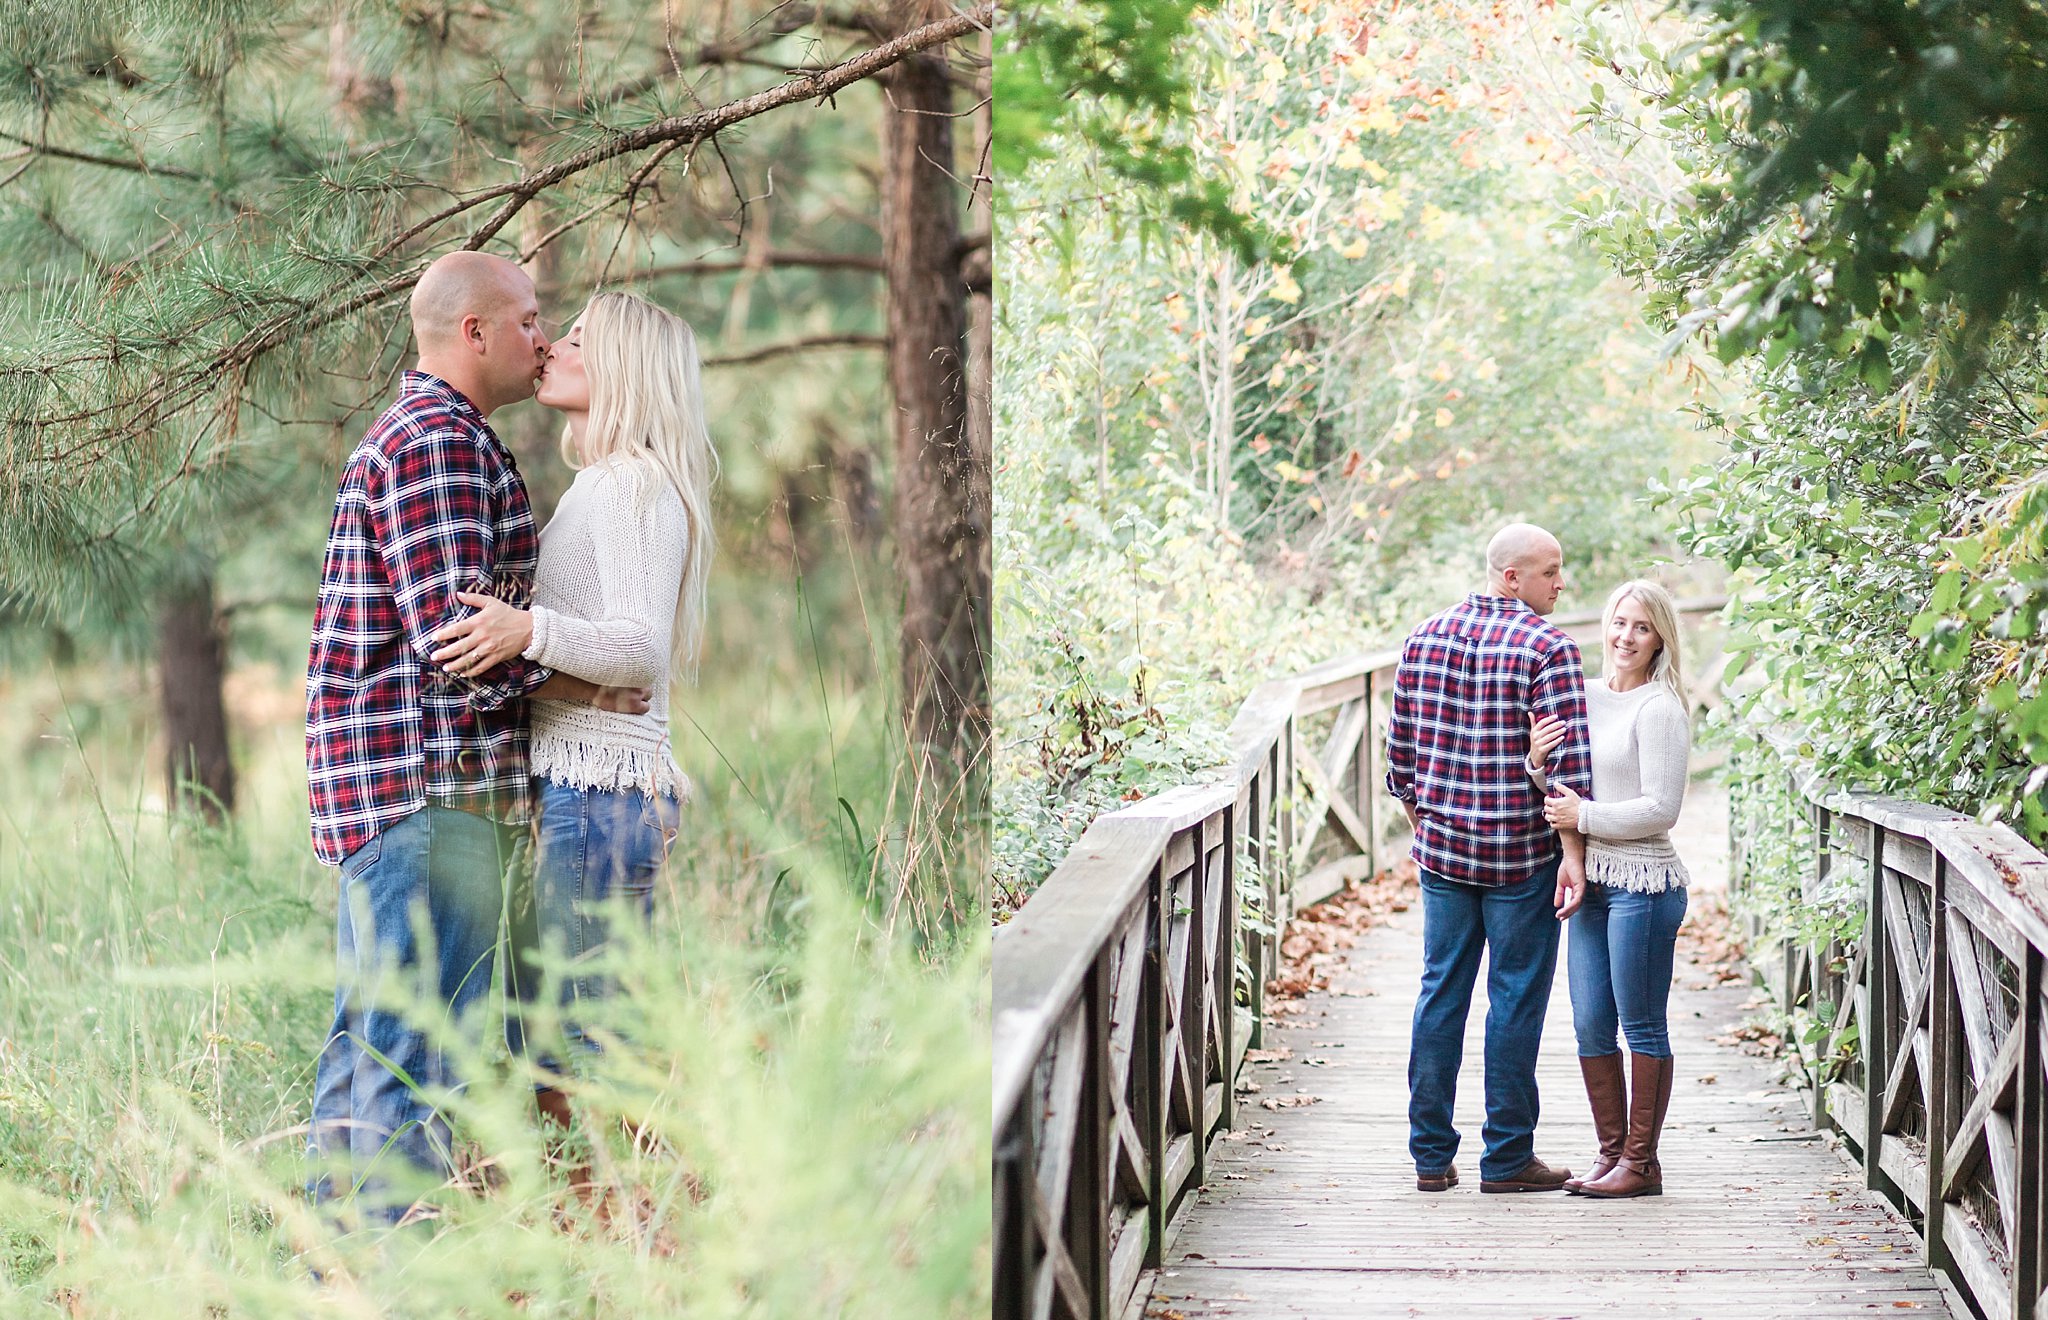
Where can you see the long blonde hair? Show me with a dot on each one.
(646, 402)
(1668, 668)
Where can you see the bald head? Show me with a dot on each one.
(1515, 544)
(478, 327)
(1525, 562)
(463, 284)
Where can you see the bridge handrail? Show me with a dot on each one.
(1117, 1035)
(1955, 924)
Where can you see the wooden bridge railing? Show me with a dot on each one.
(1932, 1064)
(1129, 986)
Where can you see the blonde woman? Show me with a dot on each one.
(1623, 936)
(618, 599)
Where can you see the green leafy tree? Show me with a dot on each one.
(1115, 74)
(1862, 236)
(1217, 468)
(1856, 170)
(213, 214)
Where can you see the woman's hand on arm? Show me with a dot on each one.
(495, 633)
(1545, 733)
(1561, 808)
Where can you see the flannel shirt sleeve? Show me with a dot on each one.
(1559, 689)
(1401, 732)
(430, 511)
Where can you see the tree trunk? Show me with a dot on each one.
(198, 774)
(942, 475)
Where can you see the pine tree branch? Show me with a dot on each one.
(787, 20)
(138, 165)
(773, 259)
(804, 345)
(684, 129)
(220, 373)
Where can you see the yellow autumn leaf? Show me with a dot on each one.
(1285, 289)
(1278, 377)
(1443, 418)
(1351, 158)
(1353, 250)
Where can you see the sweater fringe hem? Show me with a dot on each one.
(609, 768)
(1637, 875)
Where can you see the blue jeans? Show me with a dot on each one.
(439, 872)
(592, 847)
(1620, 968)
(1516, 927)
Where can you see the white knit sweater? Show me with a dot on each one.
(1641, 741)
(604, 602)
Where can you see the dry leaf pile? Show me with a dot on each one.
(1314, 942)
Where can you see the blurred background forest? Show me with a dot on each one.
(211, 214)
(1307, 298)
(1296, 313)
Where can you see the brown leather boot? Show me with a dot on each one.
(1608, 1093)
(556, 1120)
(1638, 1173)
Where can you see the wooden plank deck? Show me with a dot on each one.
(1313, 1211)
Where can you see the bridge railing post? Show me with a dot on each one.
(1879, 972)
(2029, 1112)
(1195, 1005)
(1365, 792)
(1089, 1184)
(1223, 943)
(1945, 1088)
(1153, 1075)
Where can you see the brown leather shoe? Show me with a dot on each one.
(1607, 1092)
(1638, 1173)
(1535, 1176)
(1437, 1182)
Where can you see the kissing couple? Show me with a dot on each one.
(473, 684)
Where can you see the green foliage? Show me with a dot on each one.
(1855, 171)
(1112, 76)
(211, 215)
(1213, 471)
(1776, 886)
(810, 1071)
(1880, 508)
(1887, 585)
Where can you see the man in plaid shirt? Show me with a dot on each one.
(418, 776)
(1495, 877)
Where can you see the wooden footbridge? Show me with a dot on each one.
(1139, 1168)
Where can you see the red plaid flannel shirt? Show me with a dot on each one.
(431, 503)
(1459, 736)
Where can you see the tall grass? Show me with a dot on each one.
(790, 1121)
